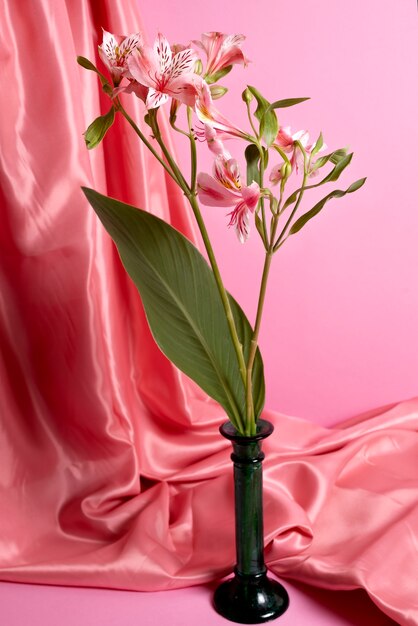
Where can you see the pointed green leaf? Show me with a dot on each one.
(260, 229)
(354, 186)
(262, 103)
(288, 102)
(318, 145)
(88, 65)
(182, 303)
(337, 155)
(252, 157)
(337, 193)
(336, 172)
(269, 125)
(97, 129)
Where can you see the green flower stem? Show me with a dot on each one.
(172, 168)
(222, 291)
(192, 150)
(295, 208)
(142, 137)
(250, 117)
(191, 196)
(260, 306)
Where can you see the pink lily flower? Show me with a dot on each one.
(115, 51)
(221, 51)
(287, 142)
(166, 75)
(224, 189)
(209, 114)
(214, 144)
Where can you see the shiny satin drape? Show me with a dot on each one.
(112, 470)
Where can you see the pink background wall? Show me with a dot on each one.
(340, 331)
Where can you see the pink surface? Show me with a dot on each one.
(340, 332)
(38, 605)
(113, 473)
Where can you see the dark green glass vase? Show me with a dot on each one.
(250, 597)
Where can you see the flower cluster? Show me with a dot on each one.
(167, 72)
(231, 372)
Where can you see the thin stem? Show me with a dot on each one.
(222, 291)
(179, 178)
(191, 196)
(250, 117)
(295, 208)
(142, 137)
(193, 155)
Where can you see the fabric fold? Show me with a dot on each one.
(113, 472)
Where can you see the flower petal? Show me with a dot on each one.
(212, 193)
(143, 66)
(183, 63)
(162, 51)
(155, 98)
(240, 219)
(129, 44)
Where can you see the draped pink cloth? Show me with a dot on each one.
(112, 470)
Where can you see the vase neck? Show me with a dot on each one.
(247, 457)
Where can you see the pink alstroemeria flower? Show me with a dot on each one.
(166, 75)
(287, 142)
(214, 144)
(224, 189)
(115, 51)
(209, 114)
(221, 51)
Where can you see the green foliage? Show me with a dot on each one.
(269, 125)
(337, 193)
(98, 129)
(182, 304)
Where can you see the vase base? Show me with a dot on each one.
(251, 599)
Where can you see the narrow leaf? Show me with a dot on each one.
(318, 145)
(252, 156)
(259, 227)
(97, 129)
(182, 303)
(354, 186)
(262, 103)
(88, 65)
(336, 172)
(337, 193)
(269, 125)
(288, 102)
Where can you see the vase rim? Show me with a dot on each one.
(264, 429)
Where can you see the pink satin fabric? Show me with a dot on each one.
(112, 470)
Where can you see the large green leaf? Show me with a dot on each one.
(182, 303)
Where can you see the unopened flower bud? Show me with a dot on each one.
(198, 67)
(217, 91)
(286, 170)
(247, 96)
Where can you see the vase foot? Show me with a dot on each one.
(251, 599)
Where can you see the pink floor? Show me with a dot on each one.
(38, 605)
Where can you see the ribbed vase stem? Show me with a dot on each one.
(250, 597)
